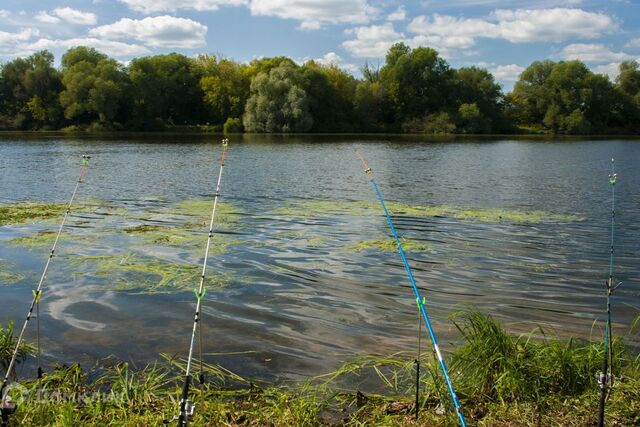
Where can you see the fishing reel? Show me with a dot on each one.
(189, 411)
(7, 407)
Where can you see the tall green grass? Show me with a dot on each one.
(501, 379)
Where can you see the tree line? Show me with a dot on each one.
(414, 91)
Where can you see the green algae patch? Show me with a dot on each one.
(143, 228)
(389, 245)
(9, 277)
(201, 209)
(503, 215)
(323, 208)
(41, 239)
(178, 237)
(37, 212)
(26, 212)
(320, 208)
(149, 276)
(311, 241)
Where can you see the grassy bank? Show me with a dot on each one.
(501, 379)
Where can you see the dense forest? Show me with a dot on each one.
(415, 91)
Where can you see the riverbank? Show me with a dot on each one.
(501, 380)
(189, 131)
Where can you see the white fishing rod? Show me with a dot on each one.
(187, 408)
(7, 406)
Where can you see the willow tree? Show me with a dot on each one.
(278, 102)
(94, 86)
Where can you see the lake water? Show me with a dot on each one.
(294, 293)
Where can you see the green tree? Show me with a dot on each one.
(165, 90)
(563, 97)
(29, 90)
(330, 91)
(476, 86)
(418, 82)
(225, 85)
(471, 119)
(278, 102)
(94, 87)
(628, 95)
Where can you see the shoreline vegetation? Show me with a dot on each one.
(501, 379)
(415, 91)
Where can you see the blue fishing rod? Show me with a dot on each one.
(605, 379)
(420, 301)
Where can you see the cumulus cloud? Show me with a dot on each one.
(67, 14)
(74, 16)
(159, 31)
(43, 16)
(332, 58)
(111, 48)
(633, 43)
(153, 6)
(517, 26)
(314, 14)
(400, 14)
(592, 53)
(611, 70)
(4, 13)
(372, 41)
(507, 73)
(10, 40)
(552, 25)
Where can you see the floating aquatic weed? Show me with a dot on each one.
(320, 208)
(23, 212)
(9, 277)
(312, 241)
(201, 209)
(389, 245)
(148, 275)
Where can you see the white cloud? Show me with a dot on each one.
(400, 14)
(633, 43)
(43, 16)
(516, 26)
(152, 6)
(4, 13)
(159, 31)
(508, 73)
(314, 14)
(592, 53)
(67, 14)
(8, 40)
(332, 58)
(552, 25)
(74, 16)
(611, 70)
(372, 41)
(111, 48)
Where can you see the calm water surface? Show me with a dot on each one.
(296, 299)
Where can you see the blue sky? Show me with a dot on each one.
(502, 36)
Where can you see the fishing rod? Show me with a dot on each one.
(605, 380)
(419, 300)
(187, 408)
(7, 406)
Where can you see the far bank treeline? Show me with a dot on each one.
(414, 91)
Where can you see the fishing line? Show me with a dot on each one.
(605, 379)
(7, 406)
(419, 300)
(187, 408)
